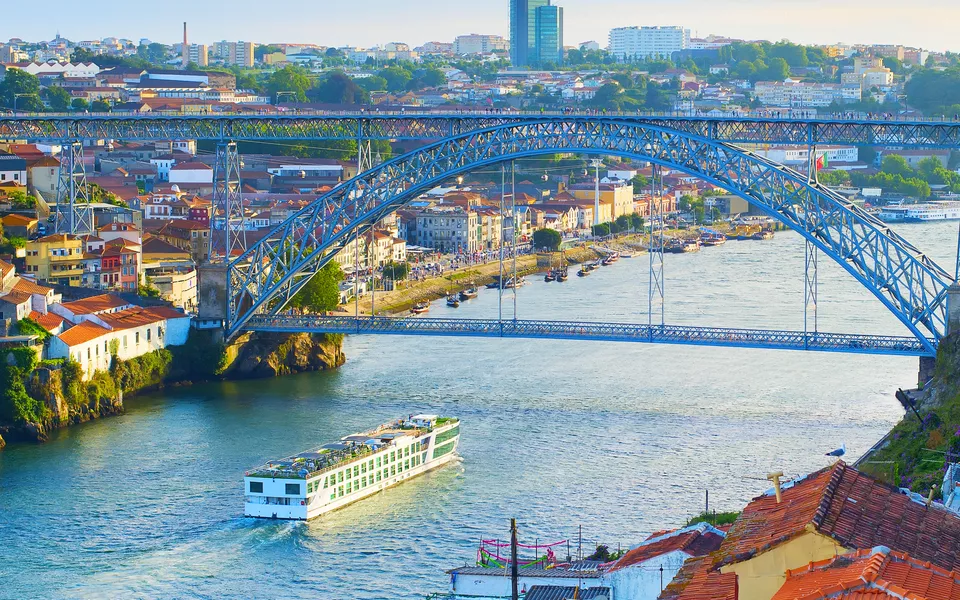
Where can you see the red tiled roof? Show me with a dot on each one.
(30, 287)
(82, 333)
(94, 304)
(13, 220)
(48, 321)
(15, 297)
(59, 237)
(853, 509)
(697, 580)
(191, 166)
(868, 573)
(695, 541)
(5, 269)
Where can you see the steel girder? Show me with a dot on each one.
(907, 282)
(609, 332)
(438, 125)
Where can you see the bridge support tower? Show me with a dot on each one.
(73, 213)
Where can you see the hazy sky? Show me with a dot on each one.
(930, 24)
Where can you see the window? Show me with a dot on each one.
(378, 462)
(256, 487)
(356, 471)
(136, 337)
(363, 468)
(378, 476)
(406, 451)
(349, 474)
(349, 487)
(124, 341)
(148, 335)
(406, 465)
(393, 469)
(363, 481)
(340, 491)
(292, 489)
(325, 482)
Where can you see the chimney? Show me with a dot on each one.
(775, 478)
(186, 47)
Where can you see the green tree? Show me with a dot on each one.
(374, 83)
(289, 79)
(322, 292)
(79, 104)
(601, 230)
(427, 78)
(777, 70)
(82, 55)
(21, 201)
(21, 90)
(895, 164)
(58, 98)
(636, 222)
(100, 106)
(547, 239)
(623, 223)
(264, 50)
(639, 182)
(396, 271)
(397, 78)
(337, 88)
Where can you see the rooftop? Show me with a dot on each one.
(95, 304)
(695, 540)
(853, 509)
(697, 581)
(82, 333)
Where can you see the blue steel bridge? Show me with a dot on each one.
(257, 282)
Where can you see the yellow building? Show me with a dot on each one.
(617, 196)
(56, 259)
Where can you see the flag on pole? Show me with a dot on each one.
(821, 162)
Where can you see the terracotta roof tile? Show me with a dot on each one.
(13, 220)
(49, 321)
(139, 316)
(696, 540)
(698, 580)
(853, 509)
(869, 572)
(95, 304)
(15, 297)
(31, 287)
(82, 333)
(5, 268)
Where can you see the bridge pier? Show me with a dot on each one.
(212, 311)
(928, 363)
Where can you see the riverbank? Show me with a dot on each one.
(435, 288)
(39, 398)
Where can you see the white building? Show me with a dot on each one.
(235, 53)
(495, 583)
(191, 173)
(632, 43)
(476, 43)
(105, 326)
(448, 230)
(800, 155)
(798, 94)
(197, 54)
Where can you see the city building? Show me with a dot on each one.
(197, 54)
(479, 44)
(549, 31)
(13, 168)
(523, 31)
(56, 259)
(798, 94)
(642, 43)
(448, 230)
(235, 53)
(617, 195)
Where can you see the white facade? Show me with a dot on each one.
(630, 43)
(797, 94)
(495, 583)
(479, 44)
(84, 70)
(191, 173)
(798, 155)
(642, 581)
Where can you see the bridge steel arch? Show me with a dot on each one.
(908, 283)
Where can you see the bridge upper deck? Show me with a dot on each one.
(433, 125)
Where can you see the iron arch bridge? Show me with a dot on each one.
(914, 288)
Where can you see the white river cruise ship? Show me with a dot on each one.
(940, 210)
(309, 484)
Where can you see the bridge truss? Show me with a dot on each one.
(908, 283)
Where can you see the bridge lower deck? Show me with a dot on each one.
(606, 332)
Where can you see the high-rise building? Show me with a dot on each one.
(549, 28)
(197, 54)
(523, 31)
(631, 43)
(234, 53)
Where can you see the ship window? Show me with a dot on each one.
(340, 477)
(333, 496)
(325, 486)
(378, 476)
(386, 473)
(370, 465)
(293, 489)
(406, 451)
(341, 491)
(356, 471)
(349, 486)
(256, 487)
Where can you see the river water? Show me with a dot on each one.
(621, 439)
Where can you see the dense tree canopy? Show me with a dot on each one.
(322, 292)
(292, 79)
(21, 90)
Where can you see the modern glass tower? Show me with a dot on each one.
(549, 27)
(523, 31)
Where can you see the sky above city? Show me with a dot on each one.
(929, 24)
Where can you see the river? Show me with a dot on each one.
(622, 439)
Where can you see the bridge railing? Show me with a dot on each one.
(577, 330)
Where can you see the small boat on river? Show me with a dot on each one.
(420, 307)
(453, 301)
(563, 274)
(469, 294)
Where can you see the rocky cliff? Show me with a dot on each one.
(272, 355)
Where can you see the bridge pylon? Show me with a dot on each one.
(73, 213)
(228, 236)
